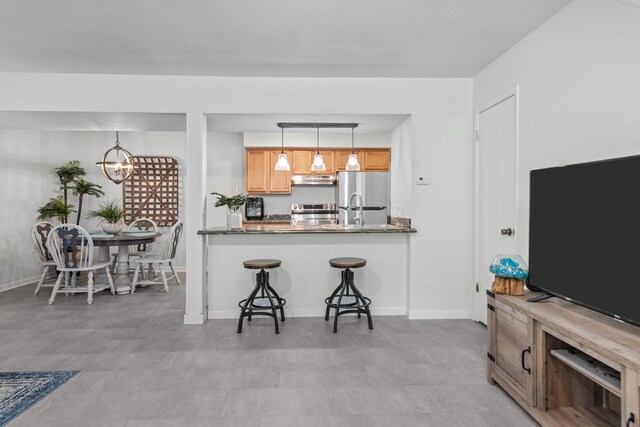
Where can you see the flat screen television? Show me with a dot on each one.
(584, 235)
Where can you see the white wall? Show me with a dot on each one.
(440, 254)
(401, 183)
(328, 138)
(28, 159)
(579, 90)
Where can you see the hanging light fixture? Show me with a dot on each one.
(117, 163)
(352, 162)
(282, 164)
(318, 161)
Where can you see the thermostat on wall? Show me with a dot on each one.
(423, 180)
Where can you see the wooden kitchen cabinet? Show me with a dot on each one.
(375, 160)
(262, 178)
(256, 172)
(302, 160)
(279, 181)
(260, 174)
(371, 160)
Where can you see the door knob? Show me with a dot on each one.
(506, 231)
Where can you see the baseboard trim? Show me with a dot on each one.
(437, 315)
(18, 283)
(195, 318)
(309, 312)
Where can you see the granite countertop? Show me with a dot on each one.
(308, 229)
(271, 219)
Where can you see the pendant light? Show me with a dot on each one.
(352, 162)
(283, 163)
(318, 161)
(117, 163)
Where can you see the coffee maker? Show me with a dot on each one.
(254, 208)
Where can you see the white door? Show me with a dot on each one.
(496, 187)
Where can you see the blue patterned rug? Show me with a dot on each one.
(21, 390)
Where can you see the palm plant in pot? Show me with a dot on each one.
(111, 216)
(233, 203)
(66, 174)
(81, 188)
(56, 207)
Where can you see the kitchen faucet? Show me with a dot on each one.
(357, 216)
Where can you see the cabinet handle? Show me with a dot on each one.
(631, 420)
(528, 349)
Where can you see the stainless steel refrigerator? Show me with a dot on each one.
(362, 198)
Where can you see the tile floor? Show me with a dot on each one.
(140, 366)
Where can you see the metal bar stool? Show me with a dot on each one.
(263, 299)
(346, 298)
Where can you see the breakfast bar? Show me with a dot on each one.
(305, 277)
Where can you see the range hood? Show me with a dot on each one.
(313, 180)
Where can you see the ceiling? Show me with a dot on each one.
(305, 38)
(139, 122)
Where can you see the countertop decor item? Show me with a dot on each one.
(510, 271)
(117, 163)
(233, 203)
(510, 266)
(111, 215)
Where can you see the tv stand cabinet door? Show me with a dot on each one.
(513, 348)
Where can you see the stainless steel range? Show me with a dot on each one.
(313, 214)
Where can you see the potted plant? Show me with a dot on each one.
(56, 207)
(67, 173)
(81, 188)
(233, 203)
(111, 216)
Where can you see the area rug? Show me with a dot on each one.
(21, 390)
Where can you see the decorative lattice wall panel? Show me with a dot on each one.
(152, 190)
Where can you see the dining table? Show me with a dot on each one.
(122, 240)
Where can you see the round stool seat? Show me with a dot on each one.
(262, 263)
(347, 262)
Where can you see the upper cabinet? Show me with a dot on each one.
(375, 160)
(260, 174)
(262, 178)
(302, 159)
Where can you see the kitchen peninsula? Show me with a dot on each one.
(305, 278)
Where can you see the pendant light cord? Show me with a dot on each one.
(318, 140)
(352, 148)
(282, 149)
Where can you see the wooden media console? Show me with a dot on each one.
(564, 364)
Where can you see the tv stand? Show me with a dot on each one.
(539, 298)
(564, 364)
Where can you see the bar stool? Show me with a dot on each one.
(268, 302)
(346, 298)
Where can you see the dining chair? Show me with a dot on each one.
(163, 259)
(39, 233)
(140, 224)
(71, 248)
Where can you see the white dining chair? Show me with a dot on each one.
(162, 260)
(71, 248)
(140, 224)
(39, 233)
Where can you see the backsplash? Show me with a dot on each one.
(281, 204)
